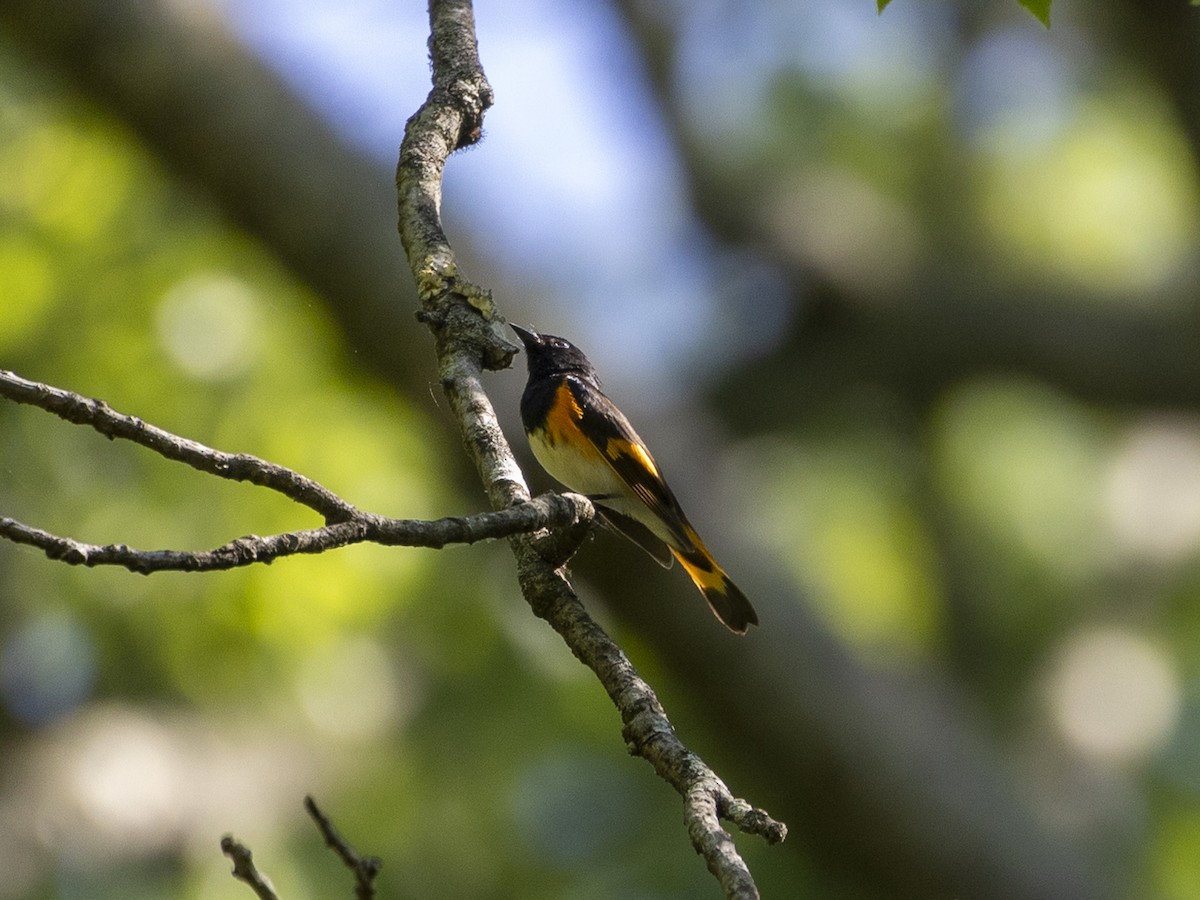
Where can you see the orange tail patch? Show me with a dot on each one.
(724, 598)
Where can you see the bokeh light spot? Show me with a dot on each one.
(1026, 464)
(72, 178)
(350, 689)
(209, 324)
(839, 518)
(1110, 206)
(1153, 491)
(1114, 695)
(127, 778)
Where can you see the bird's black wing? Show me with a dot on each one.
(622, 448)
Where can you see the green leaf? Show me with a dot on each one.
(1041, 9)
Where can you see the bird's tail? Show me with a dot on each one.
(724, 598)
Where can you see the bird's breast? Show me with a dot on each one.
(567, 454)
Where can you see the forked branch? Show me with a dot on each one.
(466, 328)
(364, 868)
(345, 523)
(543, 531)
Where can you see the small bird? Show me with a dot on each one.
(582, 439)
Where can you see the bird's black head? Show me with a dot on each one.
(548, 355)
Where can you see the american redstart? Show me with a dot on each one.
(582, 439)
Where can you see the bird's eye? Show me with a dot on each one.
(559, 343)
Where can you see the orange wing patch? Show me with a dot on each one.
(615, 448)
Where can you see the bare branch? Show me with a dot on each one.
(347, 524)
(466, 328)
(234, 466)
(539, 513)
(649, 733)
(465, 323)
(365, 868)
(245, 870)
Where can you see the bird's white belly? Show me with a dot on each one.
(593, 476)
(589, 474)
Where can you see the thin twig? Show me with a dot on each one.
(234, 466)
(245, 870)
(464, 322)
(365, 868)
(539, 513)
(347, 524)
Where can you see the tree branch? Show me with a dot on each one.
(464, 322)
(539, 513)
(234, 466)
(346, 523)
(245, 870)
(365, 868)
(466, 329)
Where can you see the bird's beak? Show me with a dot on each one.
(529, 337)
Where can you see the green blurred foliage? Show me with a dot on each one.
(425, 708)
(967, 514)
(982, 529)
(837, 508)
(1122, 170)
(1040, 8)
